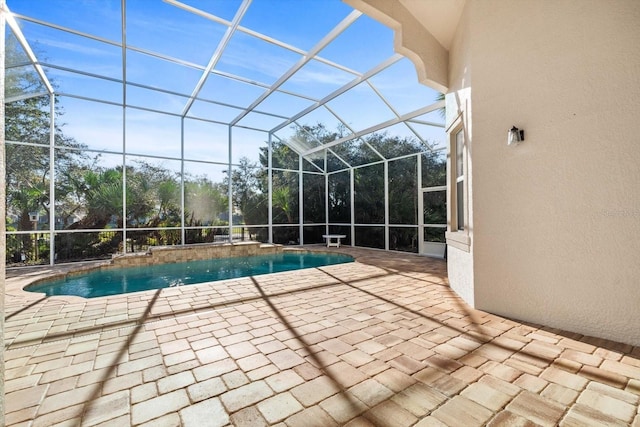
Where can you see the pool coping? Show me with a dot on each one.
(157, 255)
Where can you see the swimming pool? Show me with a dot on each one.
(117, 281)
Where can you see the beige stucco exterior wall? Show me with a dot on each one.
(557, 218)
(459, 107)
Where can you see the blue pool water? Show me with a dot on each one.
(133, 279)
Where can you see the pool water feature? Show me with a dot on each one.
(115, 281)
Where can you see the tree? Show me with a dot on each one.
(369, 182)
(282, 200)
(101, 196)
(443, 110)
(204, 201)
(27, 121)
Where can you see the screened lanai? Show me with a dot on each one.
(132, 124)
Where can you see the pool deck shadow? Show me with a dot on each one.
(35, 331)
(379, 342)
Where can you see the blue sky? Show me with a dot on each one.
(162, 28)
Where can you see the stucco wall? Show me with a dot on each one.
(557, 218)
(458, 105)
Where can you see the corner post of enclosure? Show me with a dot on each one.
(386, 205)
(52, 177)
(326, 195)
(352, 196)
(124, 179)
(123, 19)
(300, 201)
(270, 185)
(182, 210)
(420, 205)
(230, 189)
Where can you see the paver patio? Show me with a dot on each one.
(379, 342)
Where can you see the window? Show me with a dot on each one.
(460, 179)
(458, 230)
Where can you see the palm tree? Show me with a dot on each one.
(281, 198)
(443, 110)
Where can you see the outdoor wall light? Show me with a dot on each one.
(515, 135)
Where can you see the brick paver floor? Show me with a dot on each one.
(379, 342)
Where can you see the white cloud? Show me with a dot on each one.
(76, 48)
(306, 76)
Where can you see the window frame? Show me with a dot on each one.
(457, 234)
